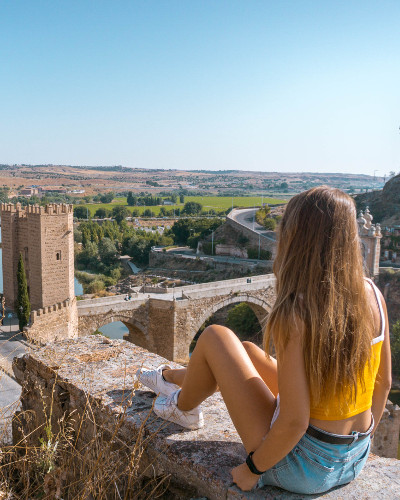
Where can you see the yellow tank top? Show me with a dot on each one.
(337, 409)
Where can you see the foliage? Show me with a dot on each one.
(102, 213)
(253, 253)
(77, 235)
(148, 213)
(221, 204)
(270, 223)
(395, 347)
(184, 228)
(4, 192)
(242, 240)
(107, 197)
(242, 320)
(147, 201)
(107, 251)
(119, 213)
(262, 214)
(81, 212)
(192, 208)
(23, 302)
(138, 245)
(95, 286)
(71, 456)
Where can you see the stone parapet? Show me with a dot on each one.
(96, 371)
(56, 322)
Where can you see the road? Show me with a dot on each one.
(246, 217)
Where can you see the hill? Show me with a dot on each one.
(384, 204)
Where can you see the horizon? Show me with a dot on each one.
(297, 87)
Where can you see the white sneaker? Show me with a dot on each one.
(166, 407)
(154, 380)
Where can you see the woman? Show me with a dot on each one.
(306, 419)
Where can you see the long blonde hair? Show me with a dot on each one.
(319, 280)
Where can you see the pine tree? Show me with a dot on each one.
(23, 302)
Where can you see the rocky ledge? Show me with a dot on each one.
(70, 375)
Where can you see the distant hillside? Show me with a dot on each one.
(384, 205)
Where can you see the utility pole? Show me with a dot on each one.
(259, 245)
(212, 243)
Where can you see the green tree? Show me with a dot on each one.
(101, 213)
(192, 208)
(131, 200)
(23, 302)
(81, 212)
(119, 213)
(107, 251)
(395, 347)
(148, 213)
(242, 320)
(181, 198)
(107, 197)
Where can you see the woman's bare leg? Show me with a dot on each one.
(220, 360)
(266, 367)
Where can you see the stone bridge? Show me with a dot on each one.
(165, 321)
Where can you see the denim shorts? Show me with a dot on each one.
(314, 466)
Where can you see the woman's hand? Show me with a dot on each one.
(243, 478)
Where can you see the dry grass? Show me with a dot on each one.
(57, 460)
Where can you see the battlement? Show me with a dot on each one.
(49, 309)
(50, 209)
(59, 321)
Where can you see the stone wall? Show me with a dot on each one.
(254, 237)
(386, 440)
(204, 263)
(98, 374)
(56, 322)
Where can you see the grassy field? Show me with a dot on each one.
(217, 203)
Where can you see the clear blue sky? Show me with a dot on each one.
(251, 85)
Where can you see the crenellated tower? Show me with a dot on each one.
(44, 236)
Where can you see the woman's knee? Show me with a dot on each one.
(216, 333)
(249, 346)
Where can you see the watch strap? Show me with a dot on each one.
(251, 466)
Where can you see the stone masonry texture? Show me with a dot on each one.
(96, 371)
(44, 237)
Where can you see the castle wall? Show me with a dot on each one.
(56, 322)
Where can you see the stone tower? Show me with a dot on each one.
(370, 236)
(44, 237)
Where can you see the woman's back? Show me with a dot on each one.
(340, 418)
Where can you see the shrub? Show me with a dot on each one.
(252, 253)
(95, 286)
(270, 223)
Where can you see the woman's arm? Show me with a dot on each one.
(384, 377)
(293, 418)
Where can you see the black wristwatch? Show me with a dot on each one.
(251, 466)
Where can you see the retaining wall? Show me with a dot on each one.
(98, 372)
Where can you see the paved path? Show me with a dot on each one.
(11, 344)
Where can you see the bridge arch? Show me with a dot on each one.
(137, 333)
(260, 307)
